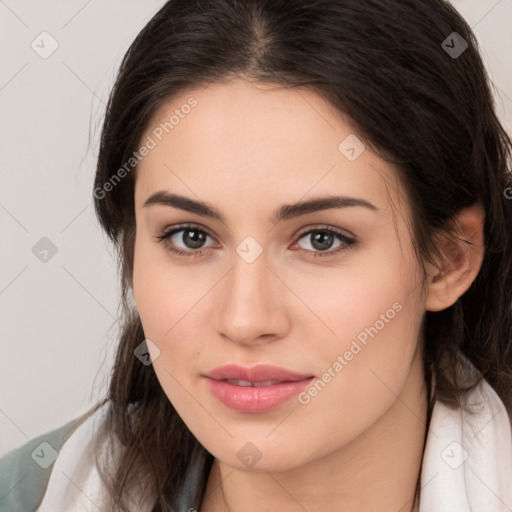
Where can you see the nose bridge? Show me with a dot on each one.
(248, 306)
(248, 282)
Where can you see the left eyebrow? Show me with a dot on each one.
(290, 211)
(285, 212)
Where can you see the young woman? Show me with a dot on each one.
(311, 203)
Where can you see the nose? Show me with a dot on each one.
(250, 306)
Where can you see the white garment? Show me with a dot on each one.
(75, 484)
(467, 464)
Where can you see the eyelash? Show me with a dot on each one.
(348, 243)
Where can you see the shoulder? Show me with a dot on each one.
(25, 471)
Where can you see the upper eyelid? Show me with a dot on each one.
(338, 231)
(176, 229)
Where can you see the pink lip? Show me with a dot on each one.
(259, 373)
(255, 399)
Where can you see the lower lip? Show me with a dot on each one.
(256, 399)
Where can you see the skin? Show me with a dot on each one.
(246, 149)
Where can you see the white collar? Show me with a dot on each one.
(467, 464)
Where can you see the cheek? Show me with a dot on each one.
(363, 301)
(374, 317)
(362, 371)
(154, 304)
(158, 289)
(165, 295)
(161, 302)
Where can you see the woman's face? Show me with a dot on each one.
(330, 293)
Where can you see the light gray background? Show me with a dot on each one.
(57, 318)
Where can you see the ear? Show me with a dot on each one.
(461, 262)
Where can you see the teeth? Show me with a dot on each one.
(265, 383)
(237, 382)
(247, 383)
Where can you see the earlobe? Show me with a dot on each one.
(463, 257)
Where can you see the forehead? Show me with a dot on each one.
(246, 140)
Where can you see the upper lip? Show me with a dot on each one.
(259, 373)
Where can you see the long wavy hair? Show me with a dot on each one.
(386, 64)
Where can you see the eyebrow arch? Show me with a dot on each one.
(285, 212)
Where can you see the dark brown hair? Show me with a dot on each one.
(383, 64)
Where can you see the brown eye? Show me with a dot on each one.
(191, 237)
(322, 239)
